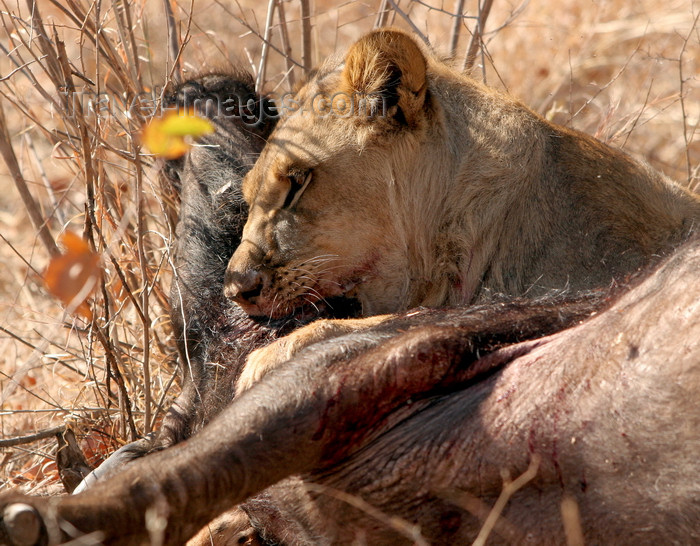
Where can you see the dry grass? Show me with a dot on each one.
(624, 72)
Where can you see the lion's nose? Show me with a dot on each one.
(243, 287)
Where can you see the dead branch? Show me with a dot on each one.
(306, 36)
(29, 438)
(688, 163)
(30, 204)
(406, 528)
(571, 518)
(509, 489)
(456, 26)
(260, 79)
(145, 292)
(286, 45)
(477, 37)
(410, 22)
(382, 14)
(173, 42)
(479, 509)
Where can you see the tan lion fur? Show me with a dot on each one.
(429, 188)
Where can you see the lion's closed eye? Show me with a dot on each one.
(298, 183)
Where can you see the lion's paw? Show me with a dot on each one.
(262, 360)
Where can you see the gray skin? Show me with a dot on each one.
(417, 417)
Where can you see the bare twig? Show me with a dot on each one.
(509, 489)
(45, 180)
(124, 395)
(132, 41)
(571, 518)
(456, 27)
(29, 438)
(477, 37)
(382, 14)
(122, 15)
(260, 79)
(173, 42)
(407, 529)
(163, 395)
(253, 31)
(12, 334)
(410, 22)
(688, 162)
(638, 116)
(145, 292)
(175, 73)
(479, 509)
(306, 36)
(286, 45)
(35, 216)
(602, 88)
(20, 68)
(52, 65)
(105, 46)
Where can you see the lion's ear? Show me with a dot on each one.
(386, 68)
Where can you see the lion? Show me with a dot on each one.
(399, 182)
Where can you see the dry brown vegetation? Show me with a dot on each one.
(626, 72)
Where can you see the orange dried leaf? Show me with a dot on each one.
(96, 448)
(73, 275)
(118, 291)
(166, 136)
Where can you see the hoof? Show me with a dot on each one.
(22, 524)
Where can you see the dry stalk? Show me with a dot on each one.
(122, 16)
(682, 82)
(571, 518)
(382, 14)
(405, 528)
(409, 21)
(10, 158)
(476, 42)
(30, 438)
(479, 509)
(141, 234)
(306, 36)
(173, 42)
(509, 489)
(260, 79)
(456, 26)
(286, 45)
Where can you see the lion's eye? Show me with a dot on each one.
(298, 183)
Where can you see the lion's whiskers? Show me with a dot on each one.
(305, 279)
(273, 308)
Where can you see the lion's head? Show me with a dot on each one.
(323, 192)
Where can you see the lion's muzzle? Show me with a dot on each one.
(246, 278)
(244, 287)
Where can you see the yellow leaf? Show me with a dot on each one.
(166, 136)
(186, 124)
(73, 275)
